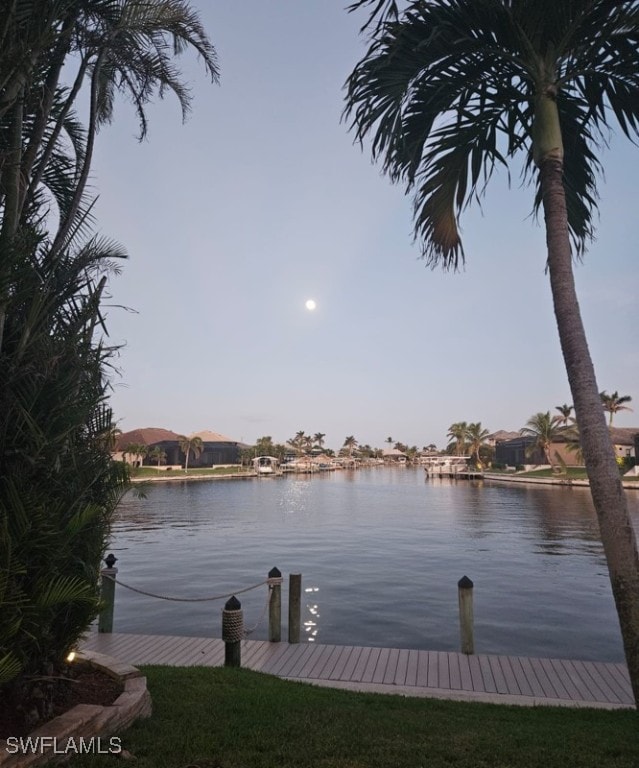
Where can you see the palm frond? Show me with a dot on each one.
(446, 92)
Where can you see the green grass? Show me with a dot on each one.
(150, 472)
(576, 473)
(235, 718)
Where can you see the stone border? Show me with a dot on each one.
(84, 722)
(567, 482)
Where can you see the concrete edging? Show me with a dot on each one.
(565, 481)
(86, 727)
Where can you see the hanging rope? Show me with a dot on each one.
(183, 599)
(250, 631)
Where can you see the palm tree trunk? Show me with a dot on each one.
(608, 496)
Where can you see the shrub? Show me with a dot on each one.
(60, 485)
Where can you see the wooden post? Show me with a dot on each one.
(232, 632)
(275, 605)
(466, 621)
(294, 606)
(107, 593)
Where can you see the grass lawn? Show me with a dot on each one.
(235, 718)
(577, 473)
(180, 473)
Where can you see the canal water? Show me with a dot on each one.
(380, 552)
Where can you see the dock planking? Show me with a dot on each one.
(493, 678)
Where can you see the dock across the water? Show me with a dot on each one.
(438, 674)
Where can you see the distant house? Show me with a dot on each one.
(516, 451)
(625, 440)
(393, 456)
(216, 448)
(519, 450)
(151, 437)
(501, 436)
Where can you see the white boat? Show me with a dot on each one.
(266, 465)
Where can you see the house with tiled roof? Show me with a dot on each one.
(216, 448)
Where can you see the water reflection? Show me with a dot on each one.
(311, 623)
(386, 549)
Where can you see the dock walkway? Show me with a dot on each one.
(438, 674)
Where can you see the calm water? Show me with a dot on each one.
(380, 552)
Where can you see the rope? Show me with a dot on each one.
(250, 631)
(232, 626)
(183, 599)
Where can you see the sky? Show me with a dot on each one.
(262, 200)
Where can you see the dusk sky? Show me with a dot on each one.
(261, 201)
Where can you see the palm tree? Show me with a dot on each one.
(573, 442)
(157, 454)
(190, 444)
(128, 46)
(614, 403)
(476, 436)
(457, 433)
(566, 412)
(137, 450)
(451, 90)
(390, 441)
(351, 443)
(544, 428)
(318, 439)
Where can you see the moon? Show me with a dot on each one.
(310, 305)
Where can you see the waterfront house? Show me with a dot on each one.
(216, 448)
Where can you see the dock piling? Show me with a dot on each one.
(294, 606)
(107, 593)
(275, 605)
(232, 632)
(466, 621)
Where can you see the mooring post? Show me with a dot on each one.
(107, 593)
(275, 605)
(465, 590)
(294, 606)
(232, 632)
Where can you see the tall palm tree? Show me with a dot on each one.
(476, 436)
(351, 443)
(545, 429)
(190, 445)
(457, 433)
(318, 439)
(566, 412)
(450, 90)
(614, 403)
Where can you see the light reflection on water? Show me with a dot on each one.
(382, 551)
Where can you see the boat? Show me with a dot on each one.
(266, 465)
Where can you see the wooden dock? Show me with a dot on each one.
(439, 674)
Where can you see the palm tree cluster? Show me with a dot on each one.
(450, 90)
(468, 438)
(60, 485)
(304, 443)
